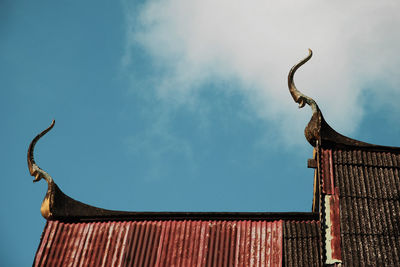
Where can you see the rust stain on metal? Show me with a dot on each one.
(332, 210)
(162, 243)
(335, 231)
(332, 232)
(327, 172)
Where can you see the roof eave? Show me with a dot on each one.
(64, 208)
(318, 131)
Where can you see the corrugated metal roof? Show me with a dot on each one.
(165, 243)
(331, 209)
(302, 244)
(369, 189)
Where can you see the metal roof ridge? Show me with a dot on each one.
(59, 206)
(308, 217)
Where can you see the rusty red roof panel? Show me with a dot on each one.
(331, 209)
(161, 243)
(327, 172)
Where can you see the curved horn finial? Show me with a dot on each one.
(34, 169)
(299, 97)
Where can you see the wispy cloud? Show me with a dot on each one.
(254, 43)
(158, 144)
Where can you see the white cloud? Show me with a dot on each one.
(254, 43)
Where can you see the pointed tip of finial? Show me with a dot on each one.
(34, 169)
(299, 97)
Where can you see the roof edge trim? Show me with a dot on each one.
(59, 206)
(319, 131)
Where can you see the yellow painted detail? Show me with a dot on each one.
(45, 208)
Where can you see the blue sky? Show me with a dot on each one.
(182, 105)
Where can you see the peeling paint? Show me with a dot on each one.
(330, 237)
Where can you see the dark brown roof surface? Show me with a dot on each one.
(302, 243)
(369, 187)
